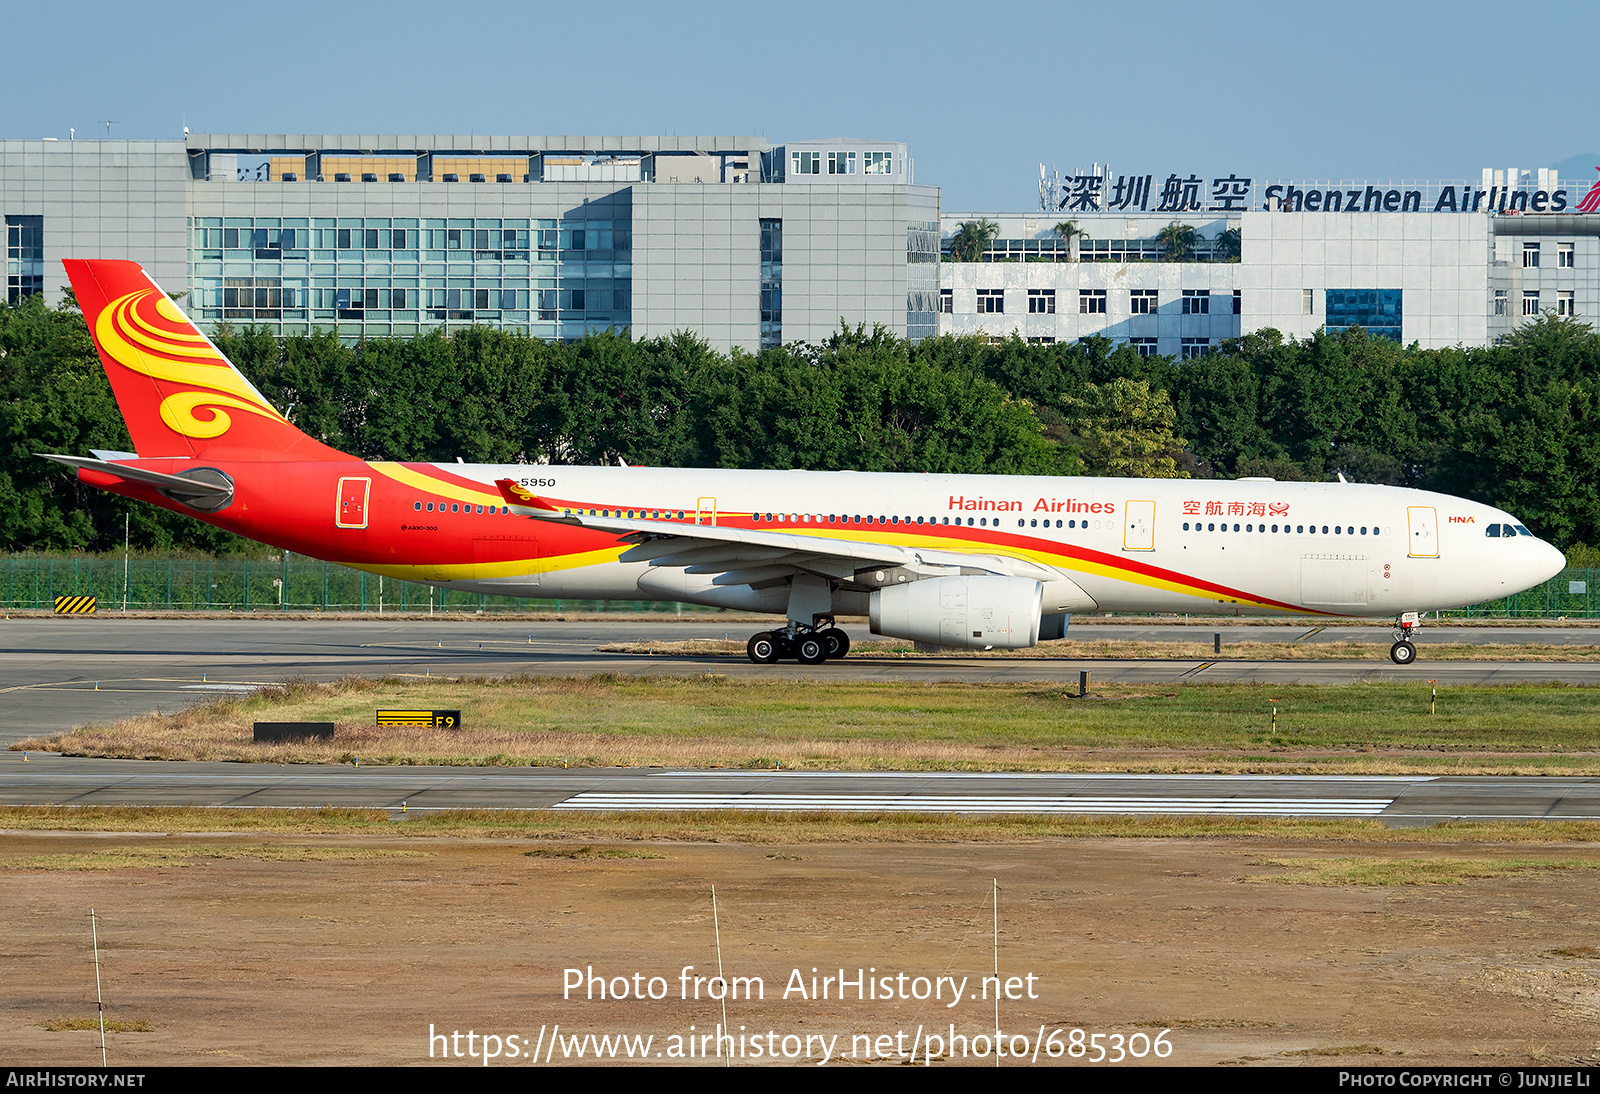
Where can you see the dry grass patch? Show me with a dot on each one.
(124, 858)
(587, 852)
(744, 827)
(1362, 870)
(112, 1025)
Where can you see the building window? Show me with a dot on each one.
(806, 163)
(1238, 302)
(1043, 340)
(1042, 301)
(771, 283)
(1091, 301)
(24, 257)
(841, 163)
(1500, 302)
(947, 301)
(1566, 304)
(1530, 256)
(1377, 311)
(1307, 301)
(991, 301)
(1530, 303)
(1565, 255)
(879, 163)
(1194, 347)
(1143, 302)
(1196, 301)
(1145, 347)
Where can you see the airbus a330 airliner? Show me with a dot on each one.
(972, 561)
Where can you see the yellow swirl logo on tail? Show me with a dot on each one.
(146, 332)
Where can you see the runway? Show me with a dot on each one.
(57, 673)
(1394, 800)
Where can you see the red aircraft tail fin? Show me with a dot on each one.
(179, 395)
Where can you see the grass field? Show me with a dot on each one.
(574, 834)
(714, 721)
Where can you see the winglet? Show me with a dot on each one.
(520, 495)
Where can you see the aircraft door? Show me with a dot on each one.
(1423, 530)
(705, 511)
(351, 511)
(1139, 526)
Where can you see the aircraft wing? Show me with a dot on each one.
(748, 556)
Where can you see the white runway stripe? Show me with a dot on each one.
(929, 803)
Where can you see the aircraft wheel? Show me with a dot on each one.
(1402, 653)
(811, 650)
(837, 641)
(762, 648)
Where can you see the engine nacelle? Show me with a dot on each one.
(979, 612)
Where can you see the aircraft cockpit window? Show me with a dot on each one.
(1493, 531)
(1521, 531)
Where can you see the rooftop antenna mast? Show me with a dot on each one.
(108, 125)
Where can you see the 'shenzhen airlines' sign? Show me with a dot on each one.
(1236, 194)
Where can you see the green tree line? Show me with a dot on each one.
(1514, 425)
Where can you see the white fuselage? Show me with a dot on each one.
(1245, 547)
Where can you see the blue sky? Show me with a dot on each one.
(983, 92)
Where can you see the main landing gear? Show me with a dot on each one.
(808, 645)
(1404, 651)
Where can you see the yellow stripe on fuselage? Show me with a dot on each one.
(470, 571)
(418, 481)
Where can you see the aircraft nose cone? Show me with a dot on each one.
(1548, 562)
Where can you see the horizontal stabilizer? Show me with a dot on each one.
(177, 485)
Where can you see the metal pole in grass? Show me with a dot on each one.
(994, 892)
(1274, 703)
(716, 926)
(99, 1002)
(1433, 700)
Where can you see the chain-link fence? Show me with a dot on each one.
(1571, 594)
(299, 584)
(291, 584)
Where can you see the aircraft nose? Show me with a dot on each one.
(1548, 562)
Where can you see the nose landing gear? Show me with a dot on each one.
(1404, 651)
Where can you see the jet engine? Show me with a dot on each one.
(975, 612)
